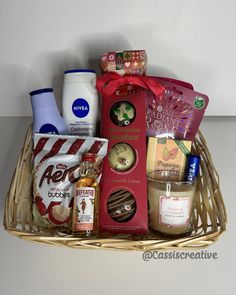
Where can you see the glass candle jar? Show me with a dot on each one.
(170, 203)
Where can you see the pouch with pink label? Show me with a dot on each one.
(177, 113)
(56, 169)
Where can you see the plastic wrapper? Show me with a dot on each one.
(56, 169)
(176, 113)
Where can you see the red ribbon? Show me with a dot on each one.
(110, 82)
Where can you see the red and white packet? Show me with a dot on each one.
(56, 169)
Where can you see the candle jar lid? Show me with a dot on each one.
(164, 176)
(167, 180)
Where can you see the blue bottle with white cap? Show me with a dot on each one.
(47, 118)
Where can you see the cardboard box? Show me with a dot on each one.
(128, 62)
(123, 202)
(168, 154)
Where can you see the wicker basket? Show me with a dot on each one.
(209, 212)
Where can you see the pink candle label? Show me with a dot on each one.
(174, 211)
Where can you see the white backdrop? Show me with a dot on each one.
(192, 40)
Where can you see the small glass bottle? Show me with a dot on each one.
(86, 199)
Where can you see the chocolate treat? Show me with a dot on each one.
(55, 172)
(121, 206)
(124, 166)
(121, 157)
(129, 62)
(122, 113)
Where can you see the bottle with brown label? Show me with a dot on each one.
(86, 199)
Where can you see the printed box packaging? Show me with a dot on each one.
(123, 203)
(168, 154)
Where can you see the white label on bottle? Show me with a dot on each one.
(84, 210)
(174, 211)
(81, 128)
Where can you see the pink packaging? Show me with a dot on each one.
(175, 81)
(176, 113)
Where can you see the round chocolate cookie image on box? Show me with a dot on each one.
(122, 113)
(121, 157)
(121, 206)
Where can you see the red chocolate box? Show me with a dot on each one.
(123, 203)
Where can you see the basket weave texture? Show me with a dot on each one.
(209, 220)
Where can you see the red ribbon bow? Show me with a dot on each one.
(110, 82)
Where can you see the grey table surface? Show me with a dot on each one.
(31, 268)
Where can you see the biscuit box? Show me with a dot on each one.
(123, 203)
